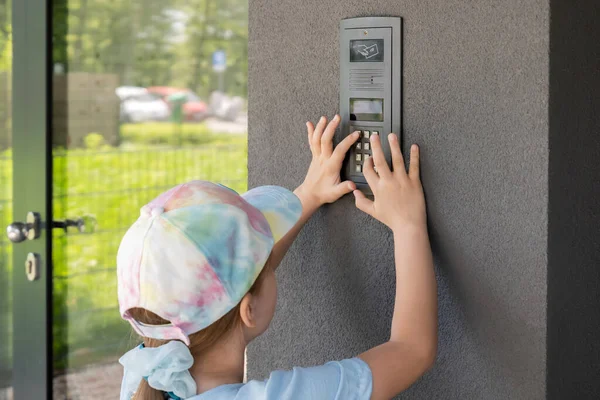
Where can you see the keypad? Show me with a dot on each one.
(362, 149)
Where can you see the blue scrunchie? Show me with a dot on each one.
(165, 368)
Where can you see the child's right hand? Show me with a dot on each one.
(399, 202)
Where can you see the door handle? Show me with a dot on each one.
(85, 224)
(18, 232)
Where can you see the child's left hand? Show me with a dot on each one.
(323, 183)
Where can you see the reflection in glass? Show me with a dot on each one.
(138, 107)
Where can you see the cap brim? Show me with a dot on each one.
(281, 208)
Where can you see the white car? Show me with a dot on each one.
(138, 105)
(225, 107)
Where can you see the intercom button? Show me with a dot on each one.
(367, 134)
(375, 133)
(358, 146)
(367, 146)
(359, 157)
(358, 168)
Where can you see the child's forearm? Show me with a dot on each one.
(415, 312)
(309, 206)
(411, 350)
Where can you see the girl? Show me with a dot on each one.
(196, 275)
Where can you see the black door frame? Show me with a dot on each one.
(32, 172)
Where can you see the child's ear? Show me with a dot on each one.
(247, 311)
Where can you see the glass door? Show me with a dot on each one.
(139, 96)
(6, 326)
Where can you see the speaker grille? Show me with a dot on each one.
(366, 79)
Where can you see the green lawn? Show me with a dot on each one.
(111, 184)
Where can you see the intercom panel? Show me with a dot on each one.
(370, 88)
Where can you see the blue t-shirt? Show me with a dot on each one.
(337, 380)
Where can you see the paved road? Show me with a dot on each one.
(240, 126)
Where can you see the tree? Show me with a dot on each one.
(5, 35)
(153, 42)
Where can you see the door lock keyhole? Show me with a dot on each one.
(32, 267)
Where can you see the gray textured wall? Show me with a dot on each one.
(476, 100)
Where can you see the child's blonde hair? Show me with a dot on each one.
(199, 341)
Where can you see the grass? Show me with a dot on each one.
(5, 269)
(110, 185)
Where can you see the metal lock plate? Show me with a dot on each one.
(32, 267)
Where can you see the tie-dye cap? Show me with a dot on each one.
(196, 250)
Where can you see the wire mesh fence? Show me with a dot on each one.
(108, 185)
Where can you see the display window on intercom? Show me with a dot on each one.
(370, 87)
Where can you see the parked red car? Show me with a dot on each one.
(194, 109)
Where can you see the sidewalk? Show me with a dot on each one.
(97, 382)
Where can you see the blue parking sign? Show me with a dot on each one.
(219, 61)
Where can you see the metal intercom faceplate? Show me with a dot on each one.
(370, 87)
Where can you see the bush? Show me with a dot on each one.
(93, 141)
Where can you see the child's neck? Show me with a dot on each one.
(220, 365)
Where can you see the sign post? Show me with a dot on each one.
(219, 62)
